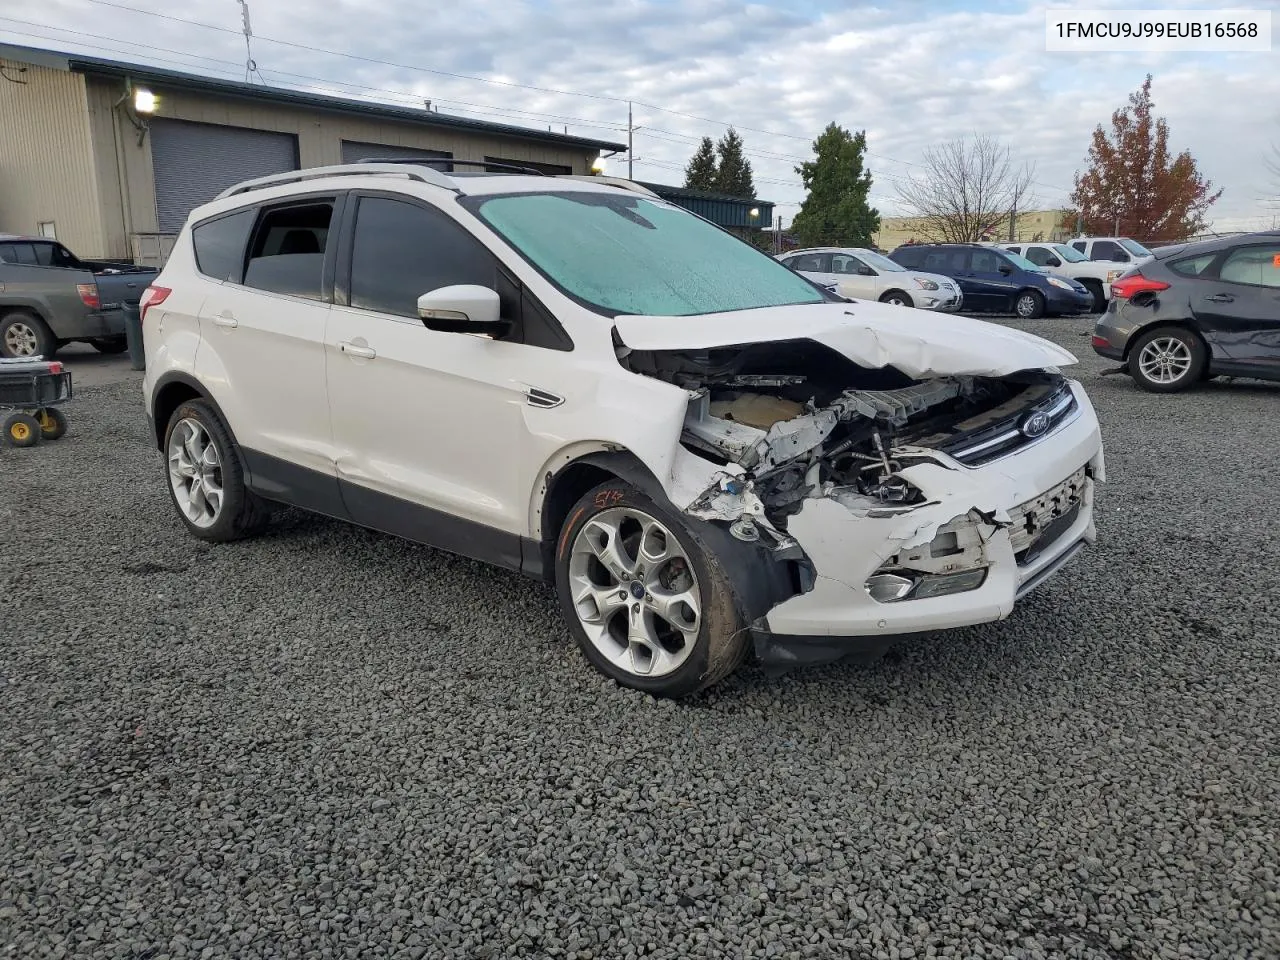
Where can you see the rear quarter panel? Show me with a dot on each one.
(171, 330)
(49, 292)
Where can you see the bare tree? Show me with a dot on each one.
(968, 188)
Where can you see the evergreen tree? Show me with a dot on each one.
(835, 209)
(700, 174)
(734, 174)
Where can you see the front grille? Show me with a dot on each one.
(1010, 434)
(1037, 524)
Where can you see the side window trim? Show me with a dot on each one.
(256, 211)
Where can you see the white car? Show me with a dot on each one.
(1113, 250)
(708, 456)
(866, 275)
(1065, 261)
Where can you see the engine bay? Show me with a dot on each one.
(800, 419)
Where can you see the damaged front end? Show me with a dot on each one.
(805, 441)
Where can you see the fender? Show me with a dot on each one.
(179, 377)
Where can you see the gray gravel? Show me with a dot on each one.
(329, 743)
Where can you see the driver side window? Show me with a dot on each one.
(984, 261)
(843, 263)
(1039, 256)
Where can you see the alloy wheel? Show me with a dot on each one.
(1026, 306)
(635, 592)
(1165, 360)
(20, 340)
(195, 472)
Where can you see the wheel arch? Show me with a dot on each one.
(1180, 323)
(898, 290)
(171, 391)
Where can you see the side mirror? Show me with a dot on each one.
(1054, 262)
(867, 272)
(464, 308)
(1005, 269)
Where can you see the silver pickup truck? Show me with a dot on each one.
(49, 296)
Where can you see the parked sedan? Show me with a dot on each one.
(863, 274)
(1197, 311)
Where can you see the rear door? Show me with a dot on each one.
(262, 333)
(1240, 309)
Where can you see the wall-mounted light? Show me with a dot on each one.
(599, 165)
(754, 212)
(144, 101)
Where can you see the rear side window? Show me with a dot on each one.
(1257, 266)
(402, 251)
(1193, 266)
(946, 261)
(286, 254)
(219, 246)
(908, 257)
(807, 263)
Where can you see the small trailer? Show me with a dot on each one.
(30, 391)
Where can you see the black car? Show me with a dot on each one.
(1198, 310)
(997, 281)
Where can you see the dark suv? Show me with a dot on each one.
(1196, 311)
(997, 281)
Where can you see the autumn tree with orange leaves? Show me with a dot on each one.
(1133, 186)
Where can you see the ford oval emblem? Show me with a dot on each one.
(1035, 425)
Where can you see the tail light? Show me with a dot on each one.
(1128, 287)
(89, 294)
(151, 297)
(1100, 341)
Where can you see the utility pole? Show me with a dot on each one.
(631, 152)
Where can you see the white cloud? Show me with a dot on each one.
(910, 73)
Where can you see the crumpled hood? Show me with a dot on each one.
(919, 343)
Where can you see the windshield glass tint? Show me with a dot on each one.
(624, 254)
(1134, 247)
(873, 259)
(1069, 254)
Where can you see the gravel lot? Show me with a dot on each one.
(329, 743)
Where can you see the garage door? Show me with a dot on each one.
(194, 162)
(353, 151)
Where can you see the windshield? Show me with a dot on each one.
(625, 254)
(1021, 262)
(880, 262)
(1069, 254)
(1134, 247)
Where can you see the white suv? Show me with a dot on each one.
(1058, 258)
(1113, 250)
(706, 454)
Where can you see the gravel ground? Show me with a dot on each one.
(329, 743)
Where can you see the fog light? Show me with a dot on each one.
(888, 587)
(945, 584)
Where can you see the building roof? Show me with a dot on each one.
(142, 73)
(689, 194)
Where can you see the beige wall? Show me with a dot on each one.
(131, 208)
(1032, 225)
(47, 169)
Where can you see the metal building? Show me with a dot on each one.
(110, 157)
(720, 208)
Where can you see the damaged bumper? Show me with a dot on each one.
(986, 536)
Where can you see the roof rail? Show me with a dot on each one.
(427, 161)
(422, 174)
(611, 181)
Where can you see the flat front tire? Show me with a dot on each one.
(206, 477)
(647, 602)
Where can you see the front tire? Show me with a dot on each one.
(26, 335)
(22, 430)
(206, 477)
(898, 299)
(647, 602)
(1099, 298)
(1029, 305)
(1167, 360)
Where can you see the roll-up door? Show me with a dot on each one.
(353, 151)
(194, 162)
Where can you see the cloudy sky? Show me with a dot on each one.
(911, 72)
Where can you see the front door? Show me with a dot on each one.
(993, 280)
(429, 427)
(1240, 311)
(855, 278)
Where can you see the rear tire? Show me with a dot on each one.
(623, 563)
(53, 423)
(110, 345)
(1167, 360)
(24, 334)
(208, 488)
(1029, 305)
(898, 299)
(1099, 298)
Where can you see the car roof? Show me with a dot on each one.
(24, 237)
(850, 250)
(1213, 244)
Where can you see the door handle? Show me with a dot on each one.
(356, 350)
(226, 319)
(1221, 298)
